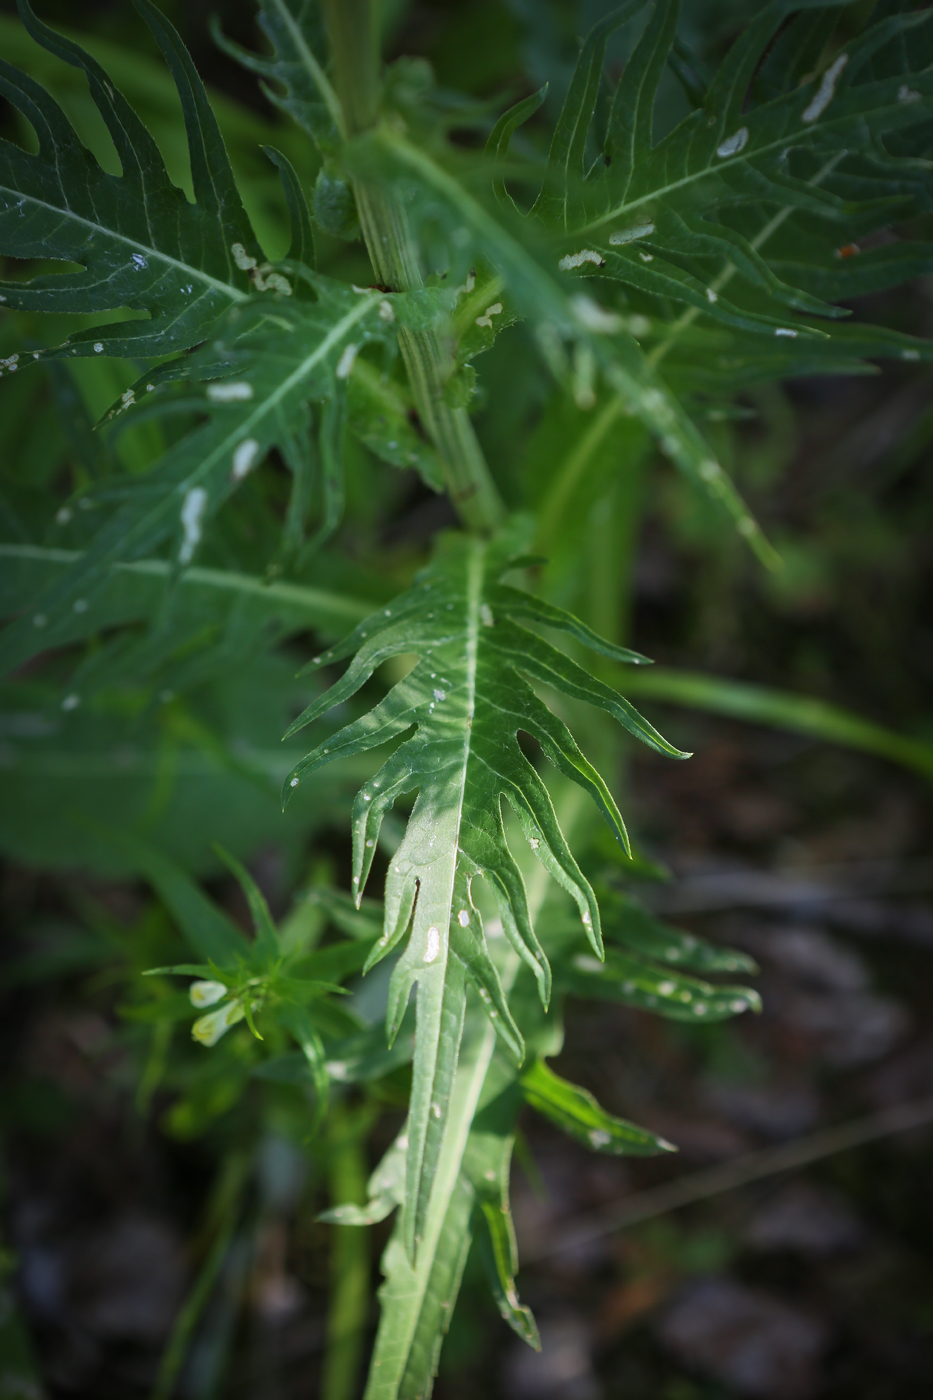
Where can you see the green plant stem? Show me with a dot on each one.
(349, 1261)
(226, 1206)
(393, 254)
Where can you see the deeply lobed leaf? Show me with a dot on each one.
(466, 700)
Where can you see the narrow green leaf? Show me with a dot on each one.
(576, 1111)
(658, 989)
(500, 138)
(206, 927)
(565, 167)
(626, 921)
(312, 1048)
(486, 1164)
(266, 943)
(295, 80)
(799, 713)
(302, 244)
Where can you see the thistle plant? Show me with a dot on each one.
(654, 268)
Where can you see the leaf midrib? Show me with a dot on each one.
(474, 585)
(333, 337)
(729, 163)
(384, 1387)
(316, 601)
(232, 292)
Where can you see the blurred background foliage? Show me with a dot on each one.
(125, 1142)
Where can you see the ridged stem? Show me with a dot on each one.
(394, 256)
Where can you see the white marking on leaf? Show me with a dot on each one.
(595, 318)
(192, 515)
(225, 392)
(345, 363)
(463, 918)
(434, 943)
(586, 255)
(733, 144)
(826, 90)
(271, 282)
(600, 1138)
(711, 296)
(242, 259)
(486, 318)
(785, 330)
(906, 94)
(71, 702)
(629, 235)
(243, 458)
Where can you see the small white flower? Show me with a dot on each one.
(206, 993)
(211, 1027)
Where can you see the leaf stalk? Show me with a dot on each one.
(392, 251)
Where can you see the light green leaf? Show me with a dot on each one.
(576, 1111)
(466, 699)
(486, 1164)
(660, 990)
(626, 921)
(266, 946)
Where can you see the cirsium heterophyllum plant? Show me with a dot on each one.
(655, 268)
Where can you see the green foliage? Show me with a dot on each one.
(142, 246)
(467, 697)
(241, 403)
